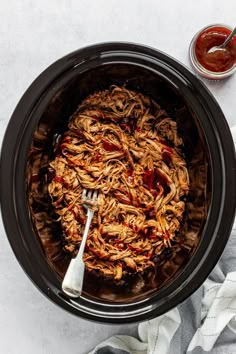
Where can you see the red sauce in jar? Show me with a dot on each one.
(220, 60)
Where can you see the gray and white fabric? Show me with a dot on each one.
(204, 323)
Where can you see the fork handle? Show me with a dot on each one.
(90, 214)
(73, 281)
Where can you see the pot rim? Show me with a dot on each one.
(10, 206)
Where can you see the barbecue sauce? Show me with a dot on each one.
(219, 60)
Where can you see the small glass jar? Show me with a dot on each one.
(199, 68)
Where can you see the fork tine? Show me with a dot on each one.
(90, 194)
(95, 194)
(84, 193)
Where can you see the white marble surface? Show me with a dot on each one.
(32, 36)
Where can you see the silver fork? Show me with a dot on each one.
(73, 281)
